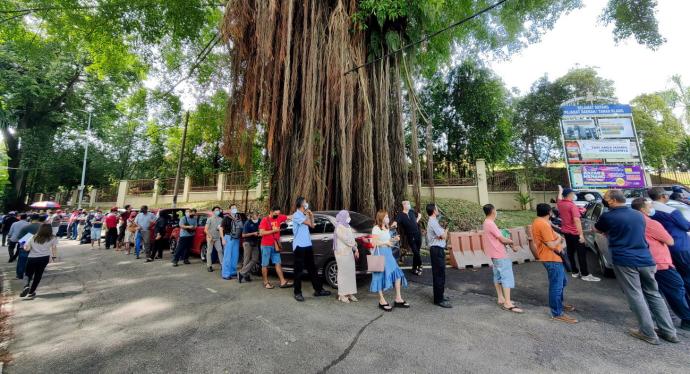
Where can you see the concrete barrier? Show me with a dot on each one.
(467, 249)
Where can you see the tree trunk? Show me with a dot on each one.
(335, 139)
(414, 154)
(430, 159)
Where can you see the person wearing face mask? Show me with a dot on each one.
(635, 268)
(302, 220)
(213, 237)
(408, 219)
(669, 281)
(250, 233)
(391, 276)
(230, 233)
(144, 221)
(269, 231)
(187, 225)
(346, 253)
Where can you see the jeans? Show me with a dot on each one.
(34, 271)
(137, 243)
(304, 258)
(230, 257)
(681, 260)
(642, 293)
(184, 243)
(111, 237)
(415, 243)
(574, 246)
(438, 271)
(22, 258)
(251, 258)
(73, 230)
(672, 288)
(557, 283)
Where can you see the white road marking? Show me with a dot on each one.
(211, 290)
(288, 336)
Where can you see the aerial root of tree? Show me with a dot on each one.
(335, 139)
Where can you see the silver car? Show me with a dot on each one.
(599, 243)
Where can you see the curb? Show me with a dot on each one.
(7, 308)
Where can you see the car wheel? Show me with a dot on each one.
(608, 273)
(331, 273)
(173, 245)
(202, 252)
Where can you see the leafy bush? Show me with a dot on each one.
(458, 215)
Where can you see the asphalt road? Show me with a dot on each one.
(101, 311)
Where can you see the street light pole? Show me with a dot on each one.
(83, 167)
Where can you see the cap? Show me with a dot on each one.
(35, 217)
(567, 191)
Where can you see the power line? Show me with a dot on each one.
(199, 59)
(429, 36)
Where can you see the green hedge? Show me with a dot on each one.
(458, 215)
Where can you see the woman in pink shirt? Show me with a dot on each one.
(495, 247)
(669, 281)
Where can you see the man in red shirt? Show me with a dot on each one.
(571, 226)
(269, 230)
(667, 277)
(110, 223)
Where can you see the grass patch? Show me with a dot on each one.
(515, 218)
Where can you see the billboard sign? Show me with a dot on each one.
(601, 146)
(607, 176)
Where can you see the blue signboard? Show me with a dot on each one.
(596, 110)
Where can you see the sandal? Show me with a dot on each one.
(513, 309)
(385, 307)
(353, 298)
(286, 285)
(344, 299)
(403, 304)
(268, 286)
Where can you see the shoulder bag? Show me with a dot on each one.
(375, 262)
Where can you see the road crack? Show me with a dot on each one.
(347, 350)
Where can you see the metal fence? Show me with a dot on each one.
(140, 187)
(237, 180)
(548, 179)
(106, 193)
(448, 174)
(499, 181)
(670, 177)
(167, 186)
(204, 183)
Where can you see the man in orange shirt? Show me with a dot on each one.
(667, 277)
(549, 246)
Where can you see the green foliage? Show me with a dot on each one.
(524, 199)
(634, 18)
(469, 110)
(514, 218)
(460, 215)
(659, 130)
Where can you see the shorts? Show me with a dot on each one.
(130, 237)
(503, 272)
(269, 254)
(96, 233)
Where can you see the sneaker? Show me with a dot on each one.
(299, 297)
(24, 292)
(648, 339)
(210, 269)
(564, 318)
(137, 257)
(575, 275)
(175, 264)
(186, 262)
(590, 278)
(149, 260)
(670, 338)
(30, 296)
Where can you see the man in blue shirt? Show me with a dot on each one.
(676, 225)
(635, 268)
(302, 221)
(187, 225)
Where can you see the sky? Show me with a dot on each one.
(579, 38)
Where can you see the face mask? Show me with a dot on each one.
(216, 212)
(274, 216)
(349, 219)
(255, 220)
(233, 211)
(406, 206)
(306, 206)
(386, 220)
(188, 215)
(651, 212)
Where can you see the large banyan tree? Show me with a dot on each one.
(333, 134)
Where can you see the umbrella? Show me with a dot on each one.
(45, 205)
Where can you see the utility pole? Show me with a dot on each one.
(179, 160)
(83, 167)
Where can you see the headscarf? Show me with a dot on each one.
(340, 220)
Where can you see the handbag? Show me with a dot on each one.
(375, 262)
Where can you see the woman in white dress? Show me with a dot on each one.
(345, 248)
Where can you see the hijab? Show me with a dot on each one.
(340, 220)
